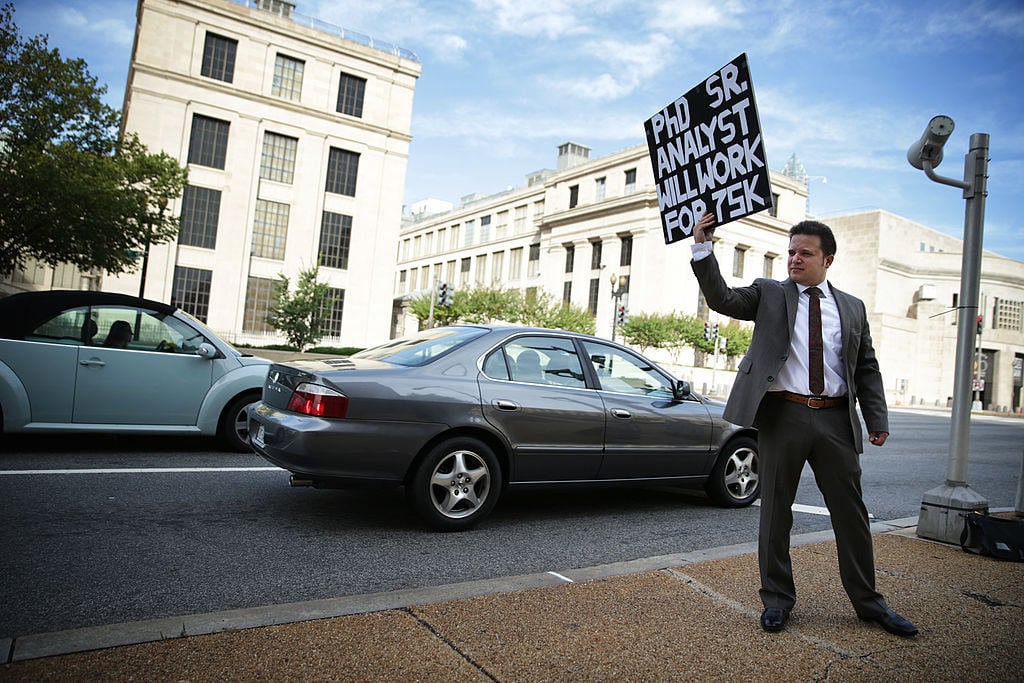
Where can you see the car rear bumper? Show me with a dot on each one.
(340, 449)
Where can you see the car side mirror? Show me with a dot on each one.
(207, 351)
(681, 390)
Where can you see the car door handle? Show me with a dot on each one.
(92, 361)
(619, 412)
(505, 405)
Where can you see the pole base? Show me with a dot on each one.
(942, 511)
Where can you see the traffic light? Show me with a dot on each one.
(979, 324)
(621, 315)
(707, 331)
(714, 331)
(445, 294)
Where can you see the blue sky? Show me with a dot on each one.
(846, 86)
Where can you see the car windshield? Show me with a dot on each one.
(423, 347)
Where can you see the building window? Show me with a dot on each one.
(574, 196)
(626, 251)
(331, 311)
(497, 265)
(481, 269)
(769, 265)
(278, 160)
(342, 169)
(567, 292)
(200, 210)
(599, 187)
(270, 229)
(401, 282)
(595, 255)
(630, 181)
(335, 235)
(191, 291)
(501, 227)
(464, 265)
(450, 271)
(219, 58)
(570, 257)
(208, 144)
(515, 263)
(287, 78)
(595, 287)
(259, 297)
(738, 257)
(520, 219)
(533, 266)
(469, 232)
(773, 210)
(1007, 315)
(538, 209)
(485, 229)
(350, 95)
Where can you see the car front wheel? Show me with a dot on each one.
(735, 480)
(456, 485)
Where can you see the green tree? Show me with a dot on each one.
(483, 305)
(299, 315)
(649, 331)
(71, 191)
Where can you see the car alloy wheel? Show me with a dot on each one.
(456, 484)
(735, 479)
(234, 424)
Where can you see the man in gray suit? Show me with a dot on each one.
(805, 411)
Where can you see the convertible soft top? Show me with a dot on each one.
(23, 312)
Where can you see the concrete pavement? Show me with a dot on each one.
(690, 616)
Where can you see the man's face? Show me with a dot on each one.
(807, 262)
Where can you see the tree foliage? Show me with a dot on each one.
(71, 190)
(300, 315)
(482, 305)
(676, 331)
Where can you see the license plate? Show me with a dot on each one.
(259, 436)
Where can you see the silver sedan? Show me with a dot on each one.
(457, 414)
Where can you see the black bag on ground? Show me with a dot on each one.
(993, 536)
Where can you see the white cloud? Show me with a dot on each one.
(113, 31)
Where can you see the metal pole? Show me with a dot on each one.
(975, 172)
(943, 507)
(616, 294)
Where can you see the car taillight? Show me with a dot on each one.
(313, 399)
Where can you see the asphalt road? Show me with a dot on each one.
(108, 530)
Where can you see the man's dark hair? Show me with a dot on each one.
(828, 240)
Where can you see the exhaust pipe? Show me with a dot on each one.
(297, 480)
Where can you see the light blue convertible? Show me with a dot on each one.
(76, 361)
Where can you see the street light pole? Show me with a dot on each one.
(617, 293)
(942, 508)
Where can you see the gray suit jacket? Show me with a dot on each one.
(772, 306)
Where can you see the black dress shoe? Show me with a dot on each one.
(893, 623)
(773, 619)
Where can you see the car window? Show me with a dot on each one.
(140, 329)
(495, 366)
(545, 360)
(626, 373)
(73, 327)
(423, 347)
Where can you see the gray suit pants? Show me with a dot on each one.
(788, 436)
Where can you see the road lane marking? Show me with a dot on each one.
(809, 509)
(145, 470)
(559, 576)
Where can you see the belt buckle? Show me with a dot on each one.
(812, 399)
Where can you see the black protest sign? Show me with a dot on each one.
(707, 153)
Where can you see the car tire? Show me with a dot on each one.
(734, 479)
(456, 484)
(234, 424)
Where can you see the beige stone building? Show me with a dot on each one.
(571, 229)
(296, 137)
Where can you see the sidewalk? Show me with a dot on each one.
(692, 618)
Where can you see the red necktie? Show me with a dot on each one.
(815, 348)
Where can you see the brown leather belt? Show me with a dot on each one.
(815, 402)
